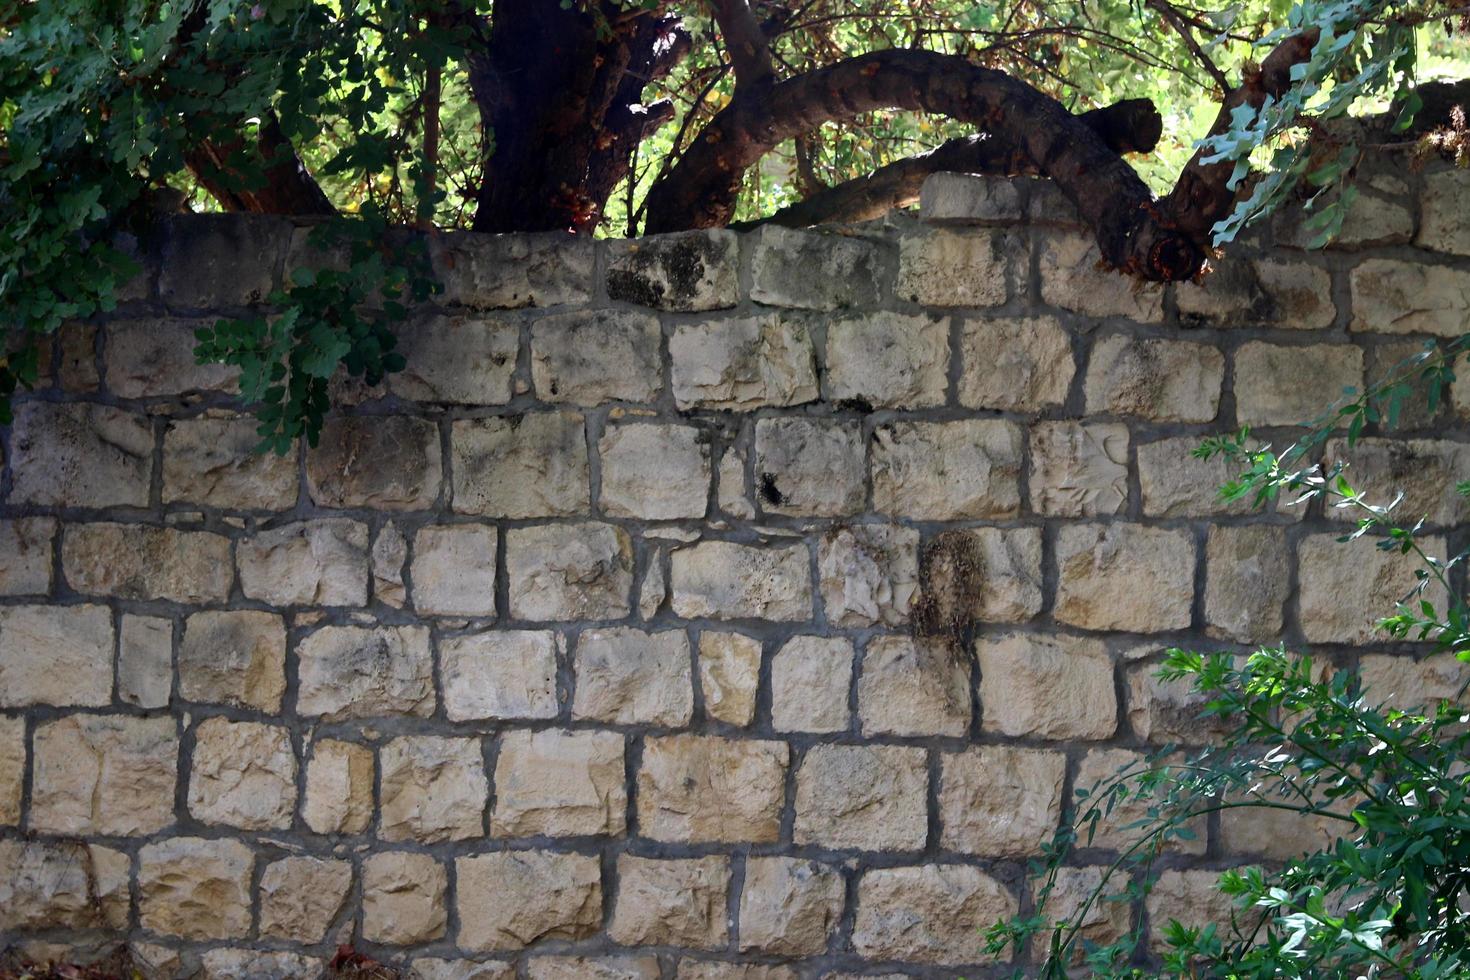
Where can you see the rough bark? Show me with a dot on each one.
(288, 187)
(745, 41)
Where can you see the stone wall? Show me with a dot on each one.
(708, 606)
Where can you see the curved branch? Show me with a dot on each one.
(750, 50)
(288, 187)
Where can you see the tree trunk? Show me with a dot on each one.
(287, 189)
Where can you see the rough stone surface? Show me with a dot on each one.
(569, 571)
(982, 574)
(685, 272)
(706, 790)
(1191, 898)
(355, 672)
(671, 903)
(1393, 296)
(135, 561)
(244, 775)
(512, 271)
(501, 674)
(27, 546)
(1019, 365)
(1278, 385)
(1163, 380)
(870, 797)
(789, 906)
(214, 463)
(155, 357)
(532, 465)
(1405, 683)
(629, 677)
(1079, 470)
(1124, 577)
(725, 580)
(453, 570)
(810, 680)
(1424, 471)
(59, 655)
(1300, 294)
(1071, 279)
(76, 455)
(390, 554)
(1116, 828)
(743, 363)
(888, 360)
(195, 888)
(145, 661)
(512, 899)
(593, 968)
(1177, 484)
(1106, 919)
(1346, 588)
(432, 789)
(998, 801)
(403, 898)
(1162, 711)
(308, 563)
(913, 687)
(809, 467)
(655, 472)
(230, 964)
(950, 267)
(97, 774)
(1444, 226)
(234, 657)
(460, 360)
(1247, 580)
(435, 968)
(729, 674)
(868, 574)
(300, 897)
(339, 788)
(12, 769)
(947, 470)
(391, 462)
(1051, 687)
(591, 358)
(45, 884)
(935, 913)
(559, 784)
(972, 197)
(813, 270)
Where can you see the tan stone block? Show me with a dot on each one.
(1106, 920)
(1444, 226)
(888, 360)
(155, 357)
(195, 888)
(104, 775)
(1401, 682)
(111, 873)
(699, 789)
(234, 657)
(307, 563)
(913, 688)
(592, 968)
(655, 472)
(145, 656)
(1175, 483)
(946, 471)
(1300, 294)
(390, 555)
(513, 899)
(1161, 711)
(1394, 296)
(559, 784)
(789, 906)
(453, 570)
(1022, 364)
(1247, 580)
(1272, 834)
(1079, 470)
(743, 363)
(300, 897)
(1124, 577)
(403, 898)
(76, 366)
(1421, 474)
(1279, 385)
(434, 968)
(1121, 824)
(80, 455)
(460, 360)
(433, 789)
(355, 672)
(734, 492)
(809, 467)
(388, 462)
(671, 902)
(244, 775)
(564, 572)
(978, 574)
(719, 970)
(339, 788)
(228, 964)
(1000, 801)
(512, 271)
(1345, 588)
(1071, 278)
(133, 561)
(936, 913)
(957, 267)
(500, 674)
(813, 269)
(729, 674)
(596, 356)
(683, 272)
(868, 574)
(215, 463)
(46, 884)
(1040, 686)
(726, 580)
(518, 466)
(628, 677)
(12, 769)
(59, 655)
(872, 797)
(1162, 380)
(810, 680)
(27, 545)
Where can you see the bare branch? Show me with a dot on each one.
(1166, 10)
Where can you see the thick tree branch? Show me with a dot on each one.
(750, 50)
(288, 189)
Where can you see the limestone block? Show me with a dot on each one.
(671, 903)
(214, 463)
(947, 470)
(981, 574)
(1079, 470)
(433, 789)
(46, 884)
(1105, 921)
(339, 788)
(1056, 687)
(306, 563)
(76, 455)
(300, 897)
(729, 674)
(76, 368)
(1300, 293)
(387, 462)
(593, 968)
(559, 784)
(628, 677)
(935, 913)
(513, 899)
(512, 271)
(813, 270)
(134, 561)
(1388, 362)
(596, 356)
(453, 570)
(221, 260)
(683, 272)
(789, 906)
(655, 472)
(888, 360)
(27, 546)
(12, 768)
(1405, 683)
(1424, 471)
(976, 197)
(809, 467)
(104, 775)
(1247, 580)
(390, 554)
(517, 466)
(726, 580)
(195, 888)
(868, 574)
(1124, 577)
(505, 674)
(1118, 826)
(229, 964)
(1393, 296)
(1071, 279)
(699, 789)
(234, 657)
(403, 898)
(459, 360)
(1162, 711)
(59, 655)
(1177, 484)
(721, 970)
(1345, 588)
(434, 968)
(957, 267)
(243, 775)
(155, 358)
(1021, 365)
(563, 572)
(1191, 898)
(1162, 380)
(1444, 226)
(810, 680)
(734, 492)
(913, 687)
(1277, 385)
(145, 661)
(356, 672)
(1000, 801)
(871, 797)
(743, 363)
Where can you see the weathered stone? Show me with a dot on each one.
(257, 964)
(1444, 226)
(518, 466)
(589, 968)
(1393, 296)
(671, 903)
(155, 358)
(1271, 292)
(512, 271)
(1191, 898)
(947, 470)
(211, 260)
(936, 913)
(459, 360)
(743, 363)
(512, 899)
(699, 789)
(871, 797)
(76, 365)
(1393, 363)
(339, 788)
(726, 580)
(562, 572)
(1176, 483)
(1345, 588)
(1079, 470)
(1118, 826)
(145, 661)
(909, 687)
(76, 455)
(434, 968)
(508, 674)
(868, 574)
(1038, 686)
(729, 674)
(813, 270)
(1106, 920)
(1124, 577)
(653, 588)
(111, 876)
(1276, 385)
(234, 657)
(104, 775)
(1162, 711)
(307, 563)
(433, 789)
(215, 463)
(976, 197)
(390, 554)
(559, 784)
(1408, 684)
(684, 272)
(720, 970)
(403, 898)
(453, 570)
(1420, 473)
(1162, 380)
(1229, 296)
(945, 267)
(1000, 801)
(810, 680)
(978, 574)
(301, 896)
(1300, 294)
(355, 672)
(734, 491)
(133, 561)
(655, 472)
(1071, 279)
(1247, 581)
(888, 360)
(59, 655)
(809, 467)
(46, 884)
(12, 768)
(27, 546)
(1273, 834)
(195, 888)
(1378, 215)
(629, 677)
(388, 462)
(789, 906)
(244, 775)
(1019, 365)
(595, 357)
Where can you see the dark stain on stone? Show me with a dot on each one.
(855, 405)
(769, 492)
(680, 264)
(631, 286)
(951, 577)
